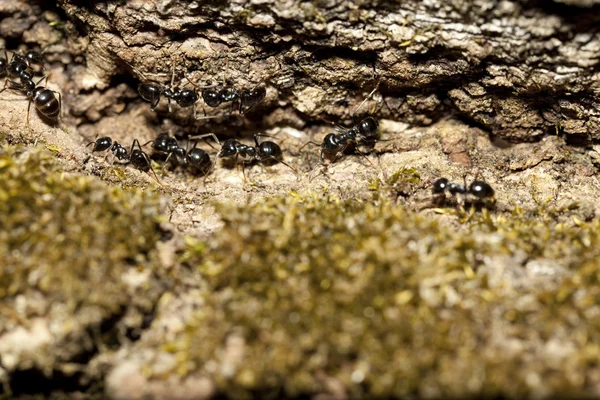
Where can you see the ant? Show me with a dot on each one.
(152, 92)
(106, 143)
(135, 157)
(244, 99)
(262, 152)
(20, 65)
(364, 133)
(44, 99)
(196, 159)
(478, 191)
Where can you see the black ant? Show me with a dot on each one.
(478, 191)
(364, 133)
(20, 66)
(195, 159)
(17, 65)
(244, 99)
(152, 92)
(137, 157)
(106, 143)
(44, 99)
(262, 152)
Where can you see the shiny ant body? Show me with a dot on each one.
(105, 143)
(477, 193)
(152, 92)
(365, 133)
(195, 159)
(44, 99)
(136, 156)
(184, 98)
(262, 152)
(21, 66)
(244, 99)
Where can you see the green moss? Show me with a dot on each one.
(402, 182)
(391, 303)
(69, 237)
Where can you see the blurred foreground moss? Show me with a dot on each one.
(69, 239)
(389, 302)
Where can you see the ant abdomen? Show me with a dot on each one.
(46, 102)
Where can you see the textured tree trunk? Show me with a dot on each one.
(517, 69)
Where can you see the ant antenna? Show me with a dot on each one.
(365, 156)
(368, 97)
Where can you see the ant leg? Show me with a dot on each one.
(154, 104)
(209, 117)
(28, 110)
(307, 143)
(244, 171)
(282, 162)
(165, 164)
(5, 83)
(152, 169)
(212, 167)
(212, 135)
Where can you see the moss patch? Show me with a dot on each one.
(389, 302)
(69, 240)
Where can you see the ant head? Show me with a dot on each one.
(34, 57)
(253, 96)
(229, 148)
(165, 143)
(368, 127)
(199, 159)
(440, 185)
(140, 160)
(481, 190)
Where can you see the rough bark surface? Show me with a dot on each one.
(506, 90)
(517, 69)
